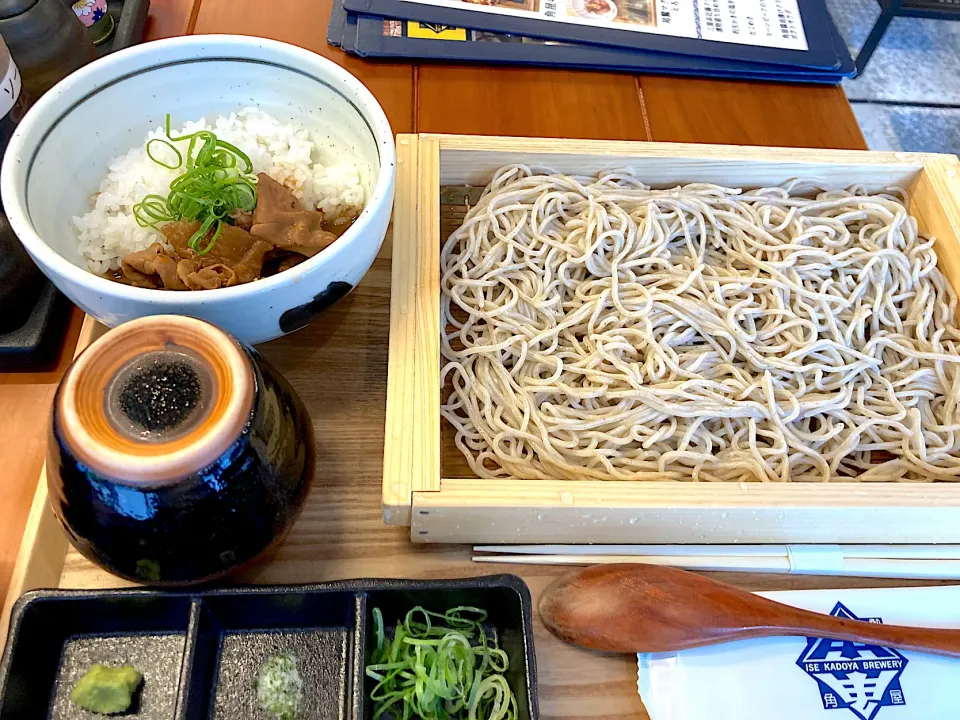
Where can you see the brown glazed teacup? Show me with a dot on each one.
(176, 454)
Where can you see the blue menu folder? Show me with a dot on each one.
(350, 35)
(818, 27)
(379, 37)
(338, 18)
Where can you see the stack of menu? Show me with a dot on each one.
(780, 40)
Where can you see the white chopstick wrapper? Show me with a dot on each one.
(900, 552)
(815, 559)
(811, 679)
(940, 562)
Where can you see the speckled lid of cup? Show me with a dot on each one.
(155, 399)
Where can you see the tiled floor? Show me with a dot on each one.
(910, 128)
(909, 96)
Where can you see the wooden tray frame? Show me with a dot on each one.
(462, 510)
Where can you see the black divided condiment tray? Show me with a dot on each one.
(200, 652)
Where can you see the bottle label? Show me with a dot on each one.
(10, 93)
(90, 11)
(14, 104)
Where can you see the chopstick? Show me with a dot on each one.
(930, 562)
(900, 552)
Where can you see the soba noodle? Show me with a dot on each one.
(597, 329)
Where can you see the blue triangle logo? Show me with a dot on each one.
(856, 677)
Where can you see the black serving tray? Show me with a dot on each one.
(200, 652)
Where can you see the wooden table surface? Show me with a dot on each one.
(451, 99)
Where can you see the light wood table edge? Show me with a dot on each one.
(41, 557)
(43, 548)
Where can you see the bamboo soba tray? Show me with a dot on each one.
(426, 481)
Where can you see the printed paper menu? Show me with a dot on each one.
(762, 23)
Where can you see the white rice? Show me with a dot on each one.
(321, 177)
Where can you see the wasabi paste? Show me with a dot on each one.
(279, 687)
(106, 690)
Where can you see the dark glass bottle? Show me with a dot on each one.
(46, 40)
(43, 42)
(20, 280)
(14, 100)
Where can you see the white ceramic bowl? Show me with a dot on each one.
(60, 152)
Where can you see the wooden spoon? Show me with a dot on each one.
(632, 607)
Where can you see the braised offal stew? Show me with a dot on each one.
(276, 236)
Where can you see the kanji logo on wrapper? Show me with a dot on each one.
(861, 679)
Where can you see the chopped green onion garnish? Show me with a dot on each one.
(452, 670)
(172, 147)
(218, 180)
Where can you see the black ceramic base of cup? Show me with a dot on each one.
(171, 522)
